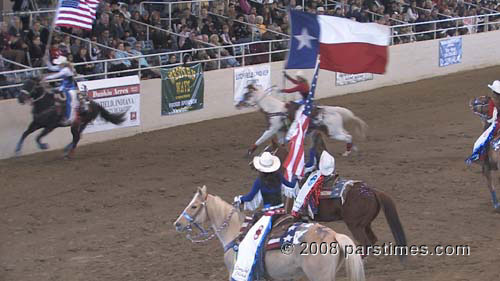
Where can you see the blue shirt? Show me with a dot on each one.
(268, 193)
(68, 82)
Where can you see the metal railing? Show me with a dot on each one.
(437, 31)
(241, 54)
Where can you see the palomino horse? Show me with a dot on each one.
(360, 206)
(329, 118)
(226, 221)
(489, 161)
(47, 115)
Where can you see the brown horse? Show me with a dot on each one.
(489, 161)
(361, 205)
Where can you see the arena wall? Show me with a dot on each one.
(408, 62)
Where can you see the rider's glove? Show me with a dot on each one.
(237, 200)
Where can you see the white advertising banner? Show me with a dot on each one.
(342, 79)
(122, 94)
(260, 75)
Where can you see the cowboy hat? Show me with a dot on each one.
(60, 60)
(300, 74)
(266, 163)
(326, 164)
(495, 87)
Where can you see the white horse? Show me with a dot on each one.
(330, 117)
(226, 221)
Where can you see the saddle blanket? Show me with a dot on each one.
(337, 190)
(250, 248)
(291, 235)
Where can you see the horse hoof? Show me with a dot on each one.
(43, 146)
(347, 153)
(497, 208)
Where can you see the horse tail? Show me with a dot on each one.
(354, 262)
(115, 118)
(392, 218)
(346, 114)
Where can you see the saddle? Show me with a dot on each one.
(292, 108)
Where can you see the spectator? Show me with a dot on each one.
(83, 56)
(147, 73)
(102, 25)
(226, 36)
(121, 54)
(241, 33)
(36, 51)
(115, 28)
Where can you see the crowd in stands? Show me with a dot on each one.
(125, 28)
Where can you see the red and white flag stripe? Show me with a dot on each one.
(294, 162)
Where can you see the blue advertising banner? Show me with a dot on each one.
(450, 51)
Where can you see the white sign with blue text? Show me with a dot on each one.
(450, 51)
(259, 75)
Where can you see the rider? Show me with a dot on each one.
(302, 86)
(312, 186)
(65, 71)
(266, 189)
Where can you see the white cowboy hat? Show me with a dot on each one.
(266, 163)
(300, 73)
(320, 9)
(326, 164)
(495, 87)
(60, 60)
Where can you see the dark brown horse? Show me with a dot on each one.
(361, 205)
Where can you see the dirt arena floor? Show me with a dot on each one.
(108, 213)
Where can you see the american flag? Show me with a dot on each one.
(76, 13)
(294, 162)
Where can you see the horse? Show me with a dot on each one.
(226, 220)
(359, 206)
(48, 113)
(330, 119)
(489, 161)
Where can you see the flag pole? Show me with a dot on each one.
(46, 56)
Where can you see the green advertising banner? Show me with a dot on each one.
(181, 89)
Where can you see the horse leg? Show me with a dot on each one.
(275, 125)
(45, 131)
(487, 170)
(31, 128)
(76, 131)
(359, 234)
(336, 131)
(370, 234)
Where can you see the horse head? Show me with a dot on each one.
(195, 214)
(480, 106)
(251, 97)
(27, 90)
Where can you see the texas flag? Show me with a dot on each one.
(344, 45)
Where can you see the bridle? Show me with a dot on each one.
(204, 236)
(28, 94)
